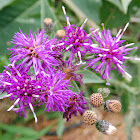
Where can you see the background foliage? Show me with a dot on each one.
(29, 15)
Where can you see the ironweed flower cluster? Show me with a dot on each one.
(38, 74)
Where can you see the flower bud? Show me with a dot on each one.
(112, 106)
(104, 91)
(60, 34)
(105, 127)
(90, 117)
(96, 99)
(99, 90)
(48, 25)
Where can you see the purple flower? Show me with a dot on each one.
(76, 40)
(20, 88)
(70, 72)
(54, 91)
(77, 103)
(33, 50)
(110, 54)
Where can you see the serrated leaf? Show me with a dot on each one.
(90, 77)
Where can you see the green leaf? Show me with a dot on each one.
(75, 87)
(16, 15)
(88, 8)
(4, 3)
(125, 102)
(125, 4)
(122, 5)
(38, 134)
(90, 77)
(3, 62)
(129, 121)
(3, 94)
(60, 126)
(117, 3)
(18, 130)
(7, 136)
(44, 131)
(111, 16)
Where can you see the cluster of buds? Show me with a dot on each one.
(90, 117)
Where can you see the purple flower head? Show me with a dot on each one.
(55, 92)
(76, 39)
(70, 72)
(111, 53)
(33, 50)
(20, 88)
(77, 103)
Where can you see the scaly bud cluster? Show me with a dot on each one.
(96, 100)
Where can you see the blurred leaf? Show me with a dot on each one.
(3, 94)
(136, 2)
(111, 16)
(125, 4)
(75, 87)
(4, 3)
(125, 102)
(89, 8)
(43, 131)
(129, 122)
(18, 130)
(7, 136)
(122, 5)
(117, 3)
(10, 13)
(38, 134)
(90, 77)
(60, 126)
(51, 115)
(130, 117)
(11, 20)
(3, 62)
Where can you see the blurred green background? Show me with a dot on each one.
(29, 15)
